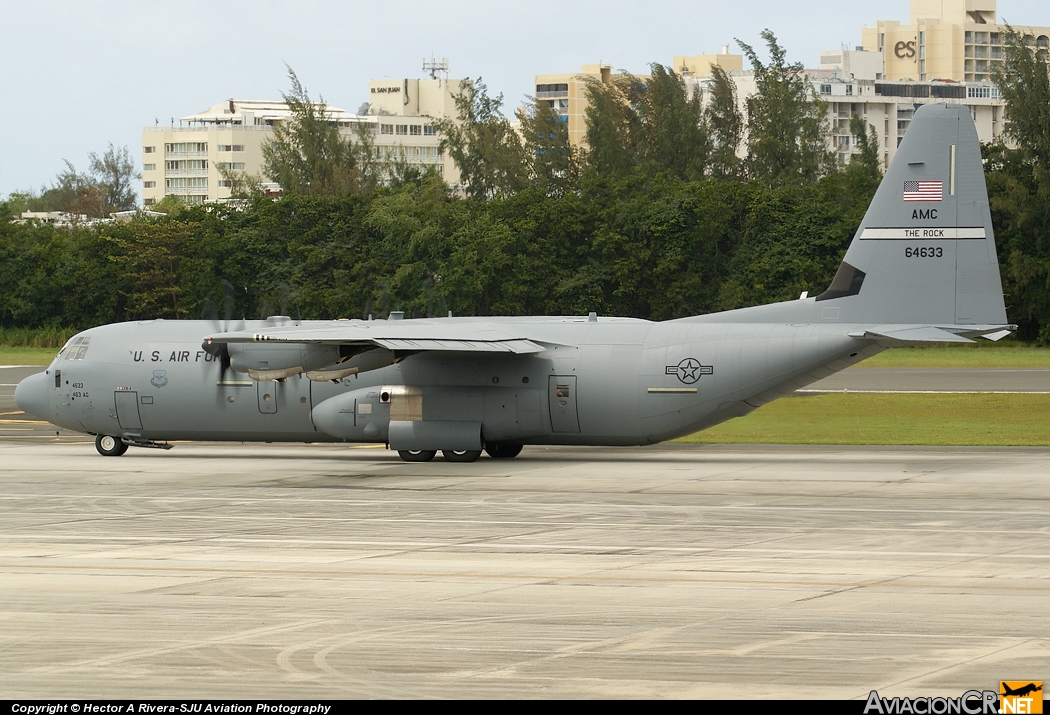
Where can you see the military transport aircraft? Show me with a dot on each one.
(922, 268)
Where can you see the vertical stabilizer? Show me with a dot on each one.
(925, 252)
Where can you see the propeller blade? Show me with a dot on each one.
(282, 295)
(384, 303)
(227, 304)
(209, 311)
(220, 351)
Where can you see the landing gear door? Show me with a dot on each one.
(127, 404)
(562, 397)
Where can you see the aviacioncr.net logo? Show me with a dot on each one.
(972, 702)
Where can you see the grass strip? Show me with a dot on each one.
(921, 419)
(27, 356)
(962, 356)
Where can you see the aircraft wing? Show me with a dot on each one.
(408, 335)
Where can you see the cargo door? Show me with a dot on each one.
(127, 404)
(562, 398)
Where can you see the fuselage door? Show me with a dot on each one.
(562, 393)
(127, 409)
(267, 397)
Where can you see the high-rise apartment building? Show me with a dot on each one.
(945, 54)
(958, 40)
(887, 106)
(567, 93)
(188, 161)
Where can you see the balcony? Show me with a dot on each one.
(553, 95)
(211, 127)
(186, 190)
(185, 172)
(186, 154)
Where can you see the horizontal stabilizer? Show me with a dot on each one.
(933, 333)
(916, 335)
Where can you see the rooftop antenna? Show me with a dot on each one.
(433, 66)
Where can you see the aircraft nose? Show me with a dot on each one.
(31, 396)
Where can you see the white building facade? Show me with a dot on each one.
(887, 106)
(192, 161)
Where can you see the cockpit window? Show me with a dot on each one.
(75, 349)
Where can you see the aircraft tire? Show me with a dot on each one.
(109, 446)
(416, 455)
(464, 455)
(502, 450)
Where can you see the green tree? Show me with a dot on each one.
(650, 124)
(56, 276)
(307, 153)
(614, 125)
(152, 255)
(790, 239)
(1018, 173)
(15, 204)
(866, 160)
(71, 191)
(787, 125)
(553, 163)
(675, 136)
(483, 144)
(114, 172)
(726, 125)
(106, 187)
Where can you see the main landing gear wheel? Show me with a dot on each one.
(503, 451)
(461, 455)
(109, 446)
(416, 455)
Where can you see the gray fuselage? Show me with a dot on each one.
(606, 381)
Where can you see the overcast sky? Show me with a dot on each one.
(75, 76)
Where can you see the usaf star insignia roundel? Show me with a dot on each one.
(689, 370)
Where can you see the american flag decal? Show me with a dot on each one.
(922, 191)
